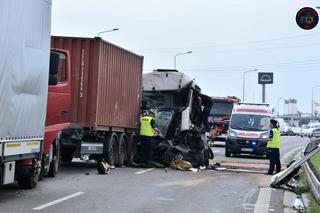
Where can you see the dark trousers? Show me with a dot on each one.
(274, 156)
(205, 115)
(147, 147)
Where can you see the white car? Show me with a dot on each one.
(308, 132)
(294, 130)
(316, 133)
(304, 129)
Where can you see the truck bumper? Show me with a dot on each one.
(91, 148)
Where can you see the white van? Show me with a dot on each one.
(282, 126)
(249, 129)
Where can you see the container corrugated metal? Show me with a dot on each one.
(106, 83)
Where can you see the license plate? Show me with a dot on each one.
(92, 148)
(247, 149)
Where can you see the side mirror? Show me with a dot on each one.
(54, 63)
(53, 80)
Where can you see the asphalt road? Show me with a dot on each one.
(148, 190)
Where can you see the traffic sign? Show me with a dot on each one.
(265, 78)
(307, 18)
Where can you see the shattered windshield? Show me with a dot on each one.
(163, 121)
(250, 122)
(167, 99)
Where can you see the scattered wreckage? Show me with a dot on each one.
(174, 97)
(283, 177)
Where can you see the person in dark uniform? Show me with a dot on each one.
(147, 130)
(274, 148)
(207, 103)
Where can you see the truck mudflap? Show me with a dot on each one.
(284, 177)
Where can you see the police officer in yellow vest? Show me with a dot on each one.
(147, 130)
(274, 147)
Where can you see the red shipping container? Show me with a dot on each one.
(106, 83)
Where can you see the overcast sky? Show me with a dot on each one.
(226, 38)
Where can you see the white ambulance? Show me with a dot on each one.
(249, 129)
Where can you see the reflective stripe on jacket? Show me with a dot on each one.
(275, 142)
(145, 126)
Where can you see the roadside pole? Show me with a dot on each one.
(263, 79)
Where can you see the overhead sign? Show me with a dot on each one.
(307, 18)
(265, 78)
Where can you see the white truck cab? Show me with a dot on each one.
(249, 129)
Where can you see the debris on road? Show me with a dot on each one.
(181, 165)
(103, 168)
(285, 176)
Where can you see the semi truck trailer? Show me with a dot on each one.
(24, 70)
(93, 111)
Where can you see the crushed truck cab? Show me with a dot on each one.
(173, 95)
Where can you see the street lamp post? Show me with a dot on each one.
(107, 31)
(175, 58)
(244, 81)
(312, 101)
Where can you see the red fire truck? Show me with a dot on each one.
(220, 114)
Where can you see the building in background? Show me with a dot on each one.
(290, 107)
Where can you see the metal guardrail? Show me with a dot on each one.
(312, 178)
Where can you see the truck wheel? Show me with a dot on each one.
(54, 164)
(132, 149)
(112, 151)
(27, 177)
(122, 155)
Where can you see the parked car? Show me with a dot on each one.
(316, 133)
(288, 131)
(294, 130)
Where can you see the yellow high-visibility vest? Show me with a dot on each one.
(275, 142)
(145, 126)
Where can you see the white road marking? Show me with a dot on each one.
(144, 171)
(246, 171)
(263, 202)
(164, 199)
(58, 201)
(215, 151)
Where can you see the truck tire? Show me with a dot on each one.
(122, 155)
(111, 154)
(54, 164)
(27, 177)
(132, 149)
